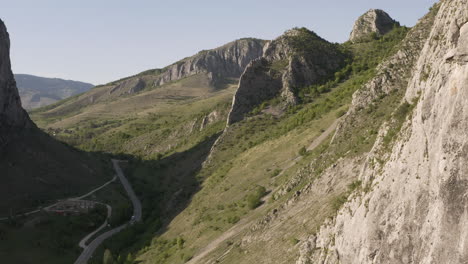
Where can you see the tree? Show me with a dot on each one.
(108, 259)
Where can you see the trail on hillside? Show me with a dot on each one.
(244, 223)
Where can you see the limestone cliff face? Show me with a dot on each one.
(228, 61)
(373, 21)
(416, 208)
(12, 115)
(296, 59)
(217, 66)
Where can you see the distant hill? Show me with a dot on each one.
(38, 91)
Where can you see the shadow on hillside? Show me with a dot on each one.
(37, 169)
(165, 188)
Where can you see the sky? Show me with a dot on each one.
(99, 41)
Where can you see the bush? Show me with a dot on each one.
(354, 185)
(180, 242)
(233, 219)
(303, 151)
(338, 201)
(254, 199)
(275, 173)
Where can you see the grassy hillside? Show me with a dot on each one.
(149, 124)
(38, 169)
(198, 189)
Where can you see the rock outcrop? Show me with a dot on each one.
(34, 167)
(129, 86)
(12, 115)
(373, 21)
(415, 208)
(296, 59)
(227, 61)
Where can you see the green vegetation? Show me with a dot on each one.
(303, 151)
(254, 199)
(47, 238)
(166, 137)
(399, 117)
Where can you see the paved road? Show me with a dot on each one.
(52, 205)
(89, 250)
(128, 188)
(83, 241)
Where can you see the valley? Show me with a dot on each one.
(290, 150)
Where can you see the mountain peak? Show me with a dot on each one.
(12, 114)
(373, 21)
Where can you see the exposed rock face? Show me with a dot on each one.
(34, 166)
(416, 209)
(228, 61)
(373, 21)
(294, 60)
(130, 86)
(12, 115)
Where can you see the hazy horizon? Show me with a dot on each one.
(101, 42)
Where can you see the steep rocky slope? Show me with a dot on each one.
(227, 61)
(345, 173)
(373, 21)
(415, 208)
(34, 167)
(296, 59)
(12, 115)
(222, 216)
(38, 91)
(212, 69)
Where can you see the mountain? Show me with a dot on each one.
(296, 59)
(415, 206)
(208, 71)
(374, 21)
(34, 167)
(322, 153)
(39, 91)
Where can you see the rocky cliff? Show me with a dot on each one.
(12, 115)
(415, 208)
(296, 59)
(33, 166)
(227, 61)
(373, 21)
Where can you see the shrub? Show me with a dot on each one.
(254, 199)
(275, 173)
(354, 185)
(303, 151)
(233, 219)
(338, 201)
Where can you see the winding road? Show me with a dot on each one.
(88, 251)
(52, 205)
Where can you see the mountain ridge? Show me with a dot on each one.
(36, 91)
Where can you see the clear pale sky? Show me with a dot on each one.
(99, 41)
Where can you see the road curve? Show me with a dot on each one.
(88, 251)
(128, 188)
(83, 241)
(52, 205)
